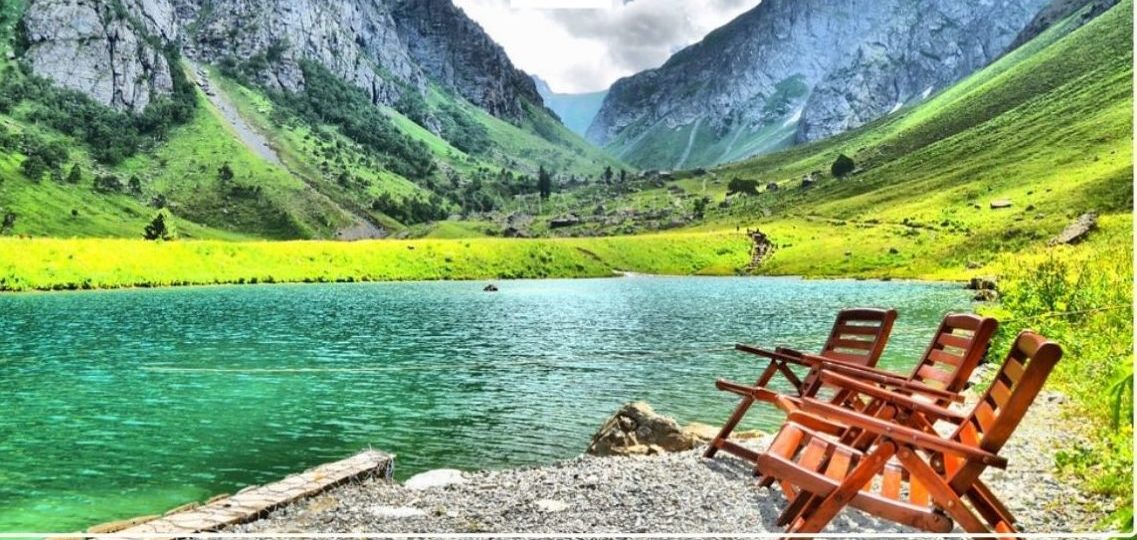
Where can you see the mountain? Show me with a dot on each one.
(342, 118)
(794, 71)
(576, 111)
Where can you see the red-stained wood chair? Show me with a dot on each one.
(858, 337)
(957, 347)
(910, 476)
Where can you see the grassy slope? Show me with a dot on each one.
(1048, 126)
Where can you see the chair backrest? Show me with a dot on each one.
(1005, 403)
(859, 335)
(958, 346)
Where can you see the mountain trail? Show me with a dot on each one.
(248, 135)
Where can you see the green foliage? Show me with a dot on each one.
(75, 177)
(110, 135)
(465, 133)
(109, 183)
(225, 172)
(842, 166)
(544, 182)
(328, 100)
(157, 229)
(34, 167)
(700, 206)
(411, 210)
(742, 186)
(1085, 303)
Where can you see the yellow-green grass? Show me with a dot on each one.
(50, 264)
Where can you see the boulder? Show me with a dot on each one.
(636, 429)
(1000, 204)
(567, 220)
(986, 295)
(434, 479)
(772, 186)
(1076, 231)
(490, 288)
(983, 284)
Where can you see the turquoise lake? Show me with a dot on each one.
(123, 403)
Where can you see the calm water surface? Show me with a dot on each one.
(121, 403)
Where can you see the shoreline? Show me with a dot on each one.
(668, 493)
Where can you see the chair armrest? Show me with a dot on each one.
(899, 400)
(788, 351)
(902, 434)
(773, 355)
(859, 370)
(902, 384)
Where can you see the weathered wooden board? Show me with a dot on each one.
(254, 501)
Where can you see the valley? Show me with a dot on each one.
(169, 143)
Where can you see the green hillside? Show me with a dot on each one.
(326, 163)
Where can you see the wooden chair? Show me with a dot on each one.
(858, 337)
(910, 476)
(957, 347)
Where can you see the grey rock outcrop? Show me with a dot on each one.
(797, 70)
(89, 46)
(114, 54)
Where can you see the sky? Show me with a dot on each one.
(585, 45)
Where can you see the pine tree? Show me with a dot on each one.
(76, 175)
(544, 182)
(157, 229)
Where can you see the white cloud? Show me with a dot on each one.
(583, 50)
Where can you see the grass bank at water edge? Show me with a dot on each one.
(62, 264)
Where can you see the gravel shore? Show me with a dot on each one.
(672, 493)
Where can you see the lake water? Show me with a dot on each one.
(122, 403)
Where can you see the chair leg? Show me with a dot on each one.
(815, 520)
(944, 496)
(739, 412)
(980, 492)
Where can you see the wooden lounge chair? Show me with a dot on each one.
(858, 337)
(910, 476)
(959, 344)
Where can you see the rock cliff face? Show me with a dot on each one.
(111, 49)
(103, 49)
(791, 71)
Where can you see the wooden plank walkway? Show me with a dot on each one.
(255, 501)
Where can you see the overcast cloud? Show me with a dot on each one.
(583, 50)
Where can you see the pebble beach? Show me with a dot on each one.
(674, 493)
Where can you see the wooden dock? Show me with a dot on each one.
(251, 502)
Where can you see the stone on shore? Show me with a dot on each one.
(636, 429)
(434, 479)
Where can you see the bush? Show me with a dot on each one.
(108, 183)
(842, 166)
(744, 187)
(76, 175)
(1084, 303)
(34, 168)
(157, 229)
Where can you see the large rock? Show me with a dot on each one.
(1077, 231)
(636, 429)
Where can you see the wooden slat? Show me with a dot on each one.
(853, 344)
(985, 415)
(890, 484)
(847, 357)
(954, 340)
(929, 372)
(943, 357)
(247, 504)
(1000, 392)
(838, 465)
(858, 330)
(813, 454)
(1013, 369)
(917, 493)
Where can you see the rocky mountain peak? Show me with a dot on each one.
(111, 49)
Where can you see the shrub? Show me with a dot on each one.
(744, 187)
(34, 167)
(157, 229)
(76, 175)
(842, 166)
(108, 183)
